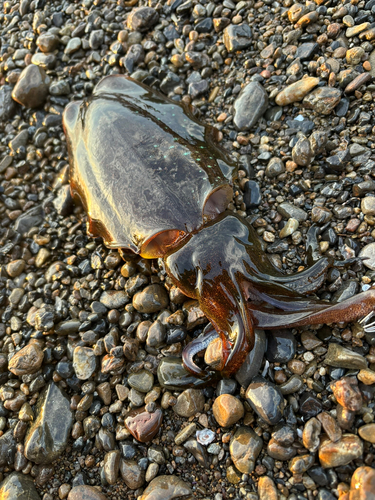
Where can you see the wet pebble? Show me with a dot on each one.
(144, 425)
(84, 492)
(249, 106)
(237, 37)
(347, 393)
(27, 360)
(227, 410)
(281, 346)
(151, 299)
(31, 89)
(341, 357)
(266, 400)
(244, 448)
(342, 452)
(189, 402)
(166, 488)
(17, 486)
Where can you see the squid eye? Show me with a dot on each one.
(158, 245)
(217, 201)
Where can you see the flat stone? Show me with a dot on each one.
(142, 18)
(340, 357)
(144, 425)
(7, 447)
(131, 473)
(173, 376)
(367, 254)
(237, 37)
(31, 89)
(189, 402)
(291, 211)
(114, 299)
(167, 488)
(266, 400)
(227, 410)
(250, 105)
(251, 366)
(48, 435)
(142, 381)
(342, 452)
(18, 486)
(7, 105)
(330, 426)
(244, 448)
(278, 451)
(311, 434)
(323, 100)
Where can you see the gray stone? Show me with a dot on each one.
(290, 211)
(49, 433)
(18, 486)
(237, 37)
(250, 106)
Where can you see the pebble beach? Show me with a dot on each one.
(91, 403)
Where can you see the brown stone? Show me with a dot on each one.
(244, 448)
(366, 376)
(227, 410)
(358, 82)
(84, 492)
(330, 426)
(362, 486)
(27, 360)
(31, 89)
(132, 474)
(167, 488)
(348, 448)
(267, 489)
(296, 91)
(144, 425)
(367, 432)
(189, 403)
(214, 354)
(347, 393)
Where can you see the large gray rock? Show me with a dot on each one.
(48, 435)
(18, 486)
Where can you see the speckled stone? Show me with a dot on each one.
(84, 362)
(244, 448)
(167, 488)
(347, 393)
(267, 489)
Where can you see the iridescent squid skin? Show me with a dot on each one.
(154, 181)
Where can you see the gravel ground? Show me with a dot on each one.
(90, 344)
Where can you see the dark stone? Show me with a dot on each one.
(253, 360)
(169, 82)
(252, 194)
(237, 37)
(49, 433)
(318, 475)
(142, 18)
(281, 346)
(7, 105)
(204, 26)
(7, 447)
(306, 51)
(226, 386)
(309, 405)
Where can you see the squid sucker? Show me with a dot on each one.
(154, 181)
